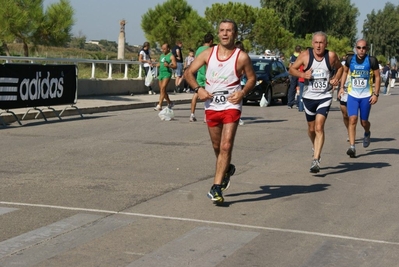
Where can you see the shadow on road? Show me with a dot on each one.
(275, 191)
(353, 166)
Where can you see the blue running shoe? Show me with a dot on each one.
(215, 194)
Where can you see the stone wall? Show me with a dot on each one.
(93, 87)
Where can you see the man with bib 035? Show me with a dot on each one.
(317, 92)
(223, 99)
(361, 68)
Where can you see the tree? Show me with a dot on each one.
(382, 30)
(339, 45)
(242, 14)
(269, 33)
(176, 20)
(25, 21)
(78, 41)
(258, 28)
(335, 17)
(172, 21)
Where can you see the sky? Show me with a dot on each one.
(99, 19)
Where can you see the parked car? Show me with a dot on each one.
(272, 79)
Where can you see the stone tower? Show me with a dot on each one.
(121, 40)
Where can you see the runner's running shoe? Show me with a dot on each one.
(351, 152)
(315, 167)
(193, 118)
(226, 179)
(366, 139)
(215, 194)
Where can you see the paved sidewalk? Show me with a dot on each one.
(95, 104)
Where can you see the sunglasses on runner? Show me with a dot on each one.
(361, 47)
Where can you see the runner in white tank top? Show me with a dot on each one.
(222, 80)
(223, 95)
(318, 87)
(318, 63)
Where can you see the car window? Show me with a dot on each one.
(281, 67)
(275, 69)
(278, 68)
(260, 66)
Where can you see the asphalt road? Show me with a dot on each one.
(124, 188)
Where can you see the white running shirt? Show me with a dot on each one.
(318, 87)
(222, 80)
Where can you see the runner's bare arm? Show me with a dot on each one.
(244, 65)
(302, 59)
(249, 72)
(199, 61)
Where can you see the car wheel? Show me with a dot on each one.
(268, 96)
(244, 101)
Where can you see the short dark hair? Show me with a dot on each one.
(208, 38)
(230, 21)
(298, 48)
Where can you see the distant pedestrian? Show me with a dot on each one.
(386, 71)
(200, 75)
(167, 62)
(177, 53)
(293, 79)
(146, 61)
(392, 79)
(187, 62)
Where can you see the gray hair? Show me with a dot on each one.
(320, 33)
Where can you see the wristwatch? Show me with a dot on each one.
(377, 95)
(197, 88)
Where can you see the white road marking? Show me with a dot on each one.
(198, 247)
(6, 210)
(34, 247)
(39, 235)
(206, 222)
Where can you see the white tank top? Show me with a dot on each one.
(222, 80)
(318, 87)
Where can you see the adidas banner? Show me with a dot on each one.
(35, 85)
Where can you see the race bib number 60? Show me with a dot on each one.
(220, 97)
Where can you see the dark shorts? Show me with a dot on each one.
(215, 118)
(316, 106)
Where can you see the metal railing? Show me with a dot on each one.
(93, 62)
